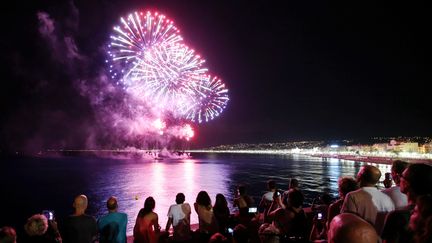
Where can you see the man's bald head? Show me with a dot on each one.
(112, 203)
(347, 227)
(80, 202)
(369, 175)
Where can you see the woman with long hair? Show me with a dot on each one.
(206, 218)
(147, 228)
(221, 212)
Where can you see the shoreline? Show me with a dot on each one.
(372, 159)
(357, 158)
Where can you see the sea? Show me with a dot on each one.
(29, 185)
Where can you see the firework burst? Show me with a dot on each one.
(148, 58)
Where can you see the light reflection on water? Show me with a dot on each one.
(162, 180)
(131, 181)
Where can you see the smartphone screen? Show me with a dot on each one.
(319, 216)
(231, 231)
(253, 210)
(48, 214)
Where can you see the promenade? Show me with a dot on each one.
(368, 157)
(372, 159)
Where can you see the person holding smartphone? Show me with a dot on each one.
(41, 228)
(243, 201)
(319, 228)
(291, 220)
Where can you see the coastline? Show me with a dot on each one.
(345, 156)
(372, 159)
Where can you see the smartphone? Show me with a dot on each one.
(319, 216)
(230, 231)
(253, 210)
(388, 176)
(49, 214)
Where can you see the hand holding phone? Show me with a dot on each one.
(49, 214)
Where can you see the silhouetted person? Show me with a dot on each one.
(146, 229)
(207, 221)
(399, 199)
(179, 218)
(421, 220)
(345, 185)
(242, 200)
(36, 229)
(415, 181)
(293, 184)
(112, 226)
(266, 202)
(320, 208)
(240, 234)
(7, 235)
(291, 221)
(218, 238)
(368, 202)
(221, 212)
(349, 228)
(80, 227)
(387, 180)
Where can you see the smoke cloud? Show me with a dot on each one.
(77, 106)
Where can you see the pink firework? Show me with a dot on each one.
(148, 58)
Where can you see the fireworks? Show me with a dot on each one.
(148, 58)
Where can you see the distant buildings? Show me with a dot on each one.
(394, 145)
(425, 148)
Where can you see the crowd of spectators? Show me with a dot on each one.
(362, 213)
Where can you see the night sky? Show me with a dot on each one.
(300, 70)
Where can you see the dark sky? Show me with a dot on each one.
(297, 70)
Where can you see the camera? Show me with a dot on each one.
(49, 214)
(253, 210)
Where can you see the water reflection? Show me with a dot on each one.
(131, 181)
(163, 180)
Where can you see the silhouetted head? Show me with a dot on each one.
(416, 180)
(180, 198)
(271, 185)
(240, 234)
(220, 201)
(398, 167)
(346, 184)
(7, 235)
(36, 225)
(347, 227)
(368, 175)
(80, 204)
(326, 198)
(295, 198)
(203, 199)
(241, 190)
(112, 204)
(149, 205)
(294, 183)
(218, 238)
